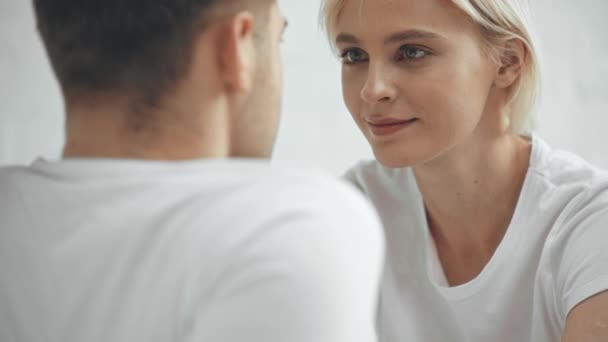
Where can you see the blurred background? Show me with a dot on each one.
(316, 129)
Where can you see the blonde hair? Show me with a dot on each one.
(500, 21)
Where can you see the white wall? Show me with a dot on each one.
(574, 107)
(316, 129)
(31, 110)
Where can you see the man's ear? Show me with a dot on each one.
(236, 52)
(513, 58)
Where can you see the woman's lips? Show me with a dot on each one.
(386, 127)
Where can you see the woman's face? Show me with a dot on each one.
(415, 76)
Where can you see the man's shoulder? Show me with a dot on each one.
(275, 191)
(7, 171)
(11, 176)
(284, 211)
(309, 184)
(241, 195)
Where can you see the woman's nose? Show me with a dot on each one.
(378, 87)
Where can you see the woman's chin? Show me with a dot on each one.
(395, 160)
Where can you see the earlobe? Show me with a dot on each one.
(512, 62)
(236, 57)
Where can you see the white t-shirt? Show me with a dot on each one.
(554, 256)
(222, 251)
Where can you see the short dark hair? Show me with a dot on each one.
(135, 46)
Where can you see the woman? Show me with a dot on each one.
(492, 235)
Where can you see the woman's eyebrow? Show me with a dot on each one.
(398, 37)
(347, 38)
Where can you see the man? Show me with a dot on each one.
(150, 228)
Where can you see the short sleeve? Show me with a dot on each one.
(583, 270)
(310, 274)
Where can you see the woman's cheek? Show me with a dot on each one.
(352, 98)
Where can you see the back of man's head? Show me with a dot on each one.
(139, 49)
(117, 45)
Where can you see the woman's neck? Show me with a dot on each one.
(470, 195)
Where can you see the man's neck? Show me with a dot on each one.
(108, 134)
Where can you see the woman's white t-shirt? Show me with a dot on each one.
(553, 256)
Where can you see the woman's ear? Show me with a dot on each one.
(513, 58)
(236, 53)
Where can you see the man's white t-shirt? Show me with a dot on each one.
(553, 257)
(222, 251)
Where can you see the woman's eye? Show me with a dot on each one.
(353, 56)
(408, 52)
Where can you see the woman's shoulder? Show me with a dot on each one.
(572, 187)
(366, 170)
(566, 171)
(372, 178)
(572, 198)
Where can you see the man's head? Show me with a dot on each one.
(153, 62)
